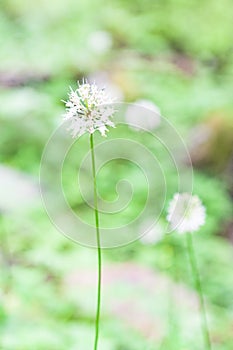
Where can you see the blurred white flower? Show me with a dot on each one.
(100, 41)
(186, 213)
(18, 191)
(143, 114)
(25, 101)
(89, 109)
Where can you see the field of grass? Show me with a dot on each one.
(176, 54)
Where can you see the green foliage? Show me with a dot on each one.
(175, 53)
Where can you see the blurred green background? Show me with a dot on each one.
(177, 54)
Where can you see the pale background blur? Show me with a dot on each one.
(176, 55)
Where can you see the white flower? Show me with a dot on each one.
(186, 213)
(143, 114)
(89, 109)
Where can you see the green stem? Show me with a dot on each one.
(97, 319)
(194, 266)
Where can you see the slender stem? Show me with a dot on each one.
(97, 319)
(196, 275)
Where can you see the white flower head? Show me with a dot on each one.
(186, 213)
(88, 109)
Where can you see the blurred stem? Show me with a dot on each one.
(197, 280)
(97, 319)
